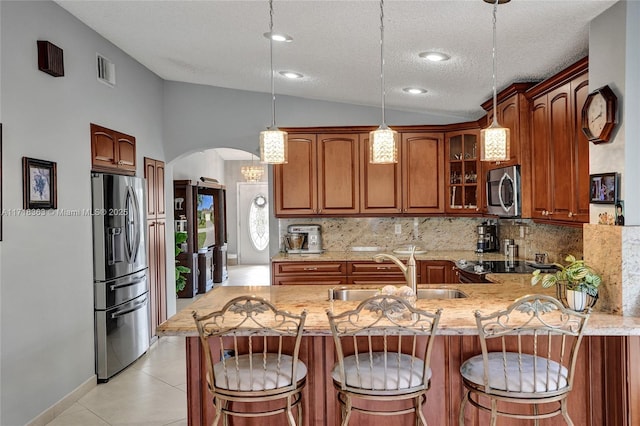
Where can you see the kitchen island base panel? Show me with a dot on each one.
(605, 390)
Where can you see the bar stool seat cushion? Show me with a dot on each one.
(395, 373)
(267, 373)
(517, 375)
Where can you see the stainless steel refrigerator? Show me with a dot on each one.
(121, 290)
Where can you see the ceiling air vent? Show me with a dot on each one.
(106, 71)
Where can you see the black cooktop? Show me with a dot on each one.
(501, 267)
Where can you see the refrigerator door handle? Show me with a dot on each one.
(128, 283)
(136, 307)
(132, 232)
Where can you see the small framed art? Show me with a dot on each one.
(39, 186)
(603, 188)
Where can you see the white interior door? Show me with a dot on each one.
(253, 223)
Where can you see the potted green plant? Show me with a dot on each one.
(576, 283)
(181, 280)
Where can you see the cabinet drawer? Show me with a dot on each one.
(371, 268)
(379, 280)
(309, 280)
(306, 268)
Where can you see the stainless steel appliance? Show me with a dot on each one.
(469, 271)
(487, 237)
(121, 304)
(311, 239)
(504, 192)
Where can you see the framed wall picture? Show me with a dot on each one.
(39, 186)
(603, 188)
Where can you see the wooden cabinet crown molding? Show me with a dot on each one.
(559, 79)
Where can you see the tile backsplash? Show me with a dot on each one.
(438, 233)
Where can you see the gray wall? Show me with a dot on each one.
(614, 60)
(46, 311)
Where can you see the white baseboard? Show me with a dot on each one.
(67, 401)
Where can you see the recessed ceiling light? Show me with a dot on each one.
(434, 56)
(291, 74)
(278, 36)
(415, 90)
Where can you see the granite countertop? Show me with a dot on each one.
(457, 317)
(368, 255)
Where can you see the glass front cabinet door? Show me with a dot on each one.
(463, 172)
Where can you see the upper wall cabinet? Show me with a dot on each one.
(321, 176)
(112, 151)
(422, 173)
(559, 149)
(413, 186)
(463, 176)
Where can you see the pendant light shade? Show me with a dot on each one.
(273, 146)
(495, 140)
(383, 146)
(273, 141)
(383, 142)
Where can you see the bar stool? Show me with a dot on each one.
(383, 350)
(251, 354)
(528, 357)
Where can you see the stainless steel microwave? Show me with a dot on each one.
(504, 196)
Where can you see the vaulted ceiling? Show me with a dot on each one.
(336, 45)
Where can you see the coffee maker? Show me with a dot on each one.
(487, 237)
(303, 239)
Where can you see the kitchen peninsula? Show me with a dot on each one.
(603, 392)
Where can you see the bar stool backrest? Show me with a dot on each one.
(252, 336)
(530, 347)
(384, 330)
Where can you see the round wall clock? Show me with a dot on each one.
(599, 115)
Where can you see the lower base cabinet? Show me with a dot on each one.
(604, 391)
(189, 260)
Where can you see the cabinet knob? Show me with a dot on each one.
(382, 268)
(570, 214)
(311, 269)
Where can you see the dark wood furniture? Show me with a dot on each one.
(112, 151)
(211, 254)
(157, 245)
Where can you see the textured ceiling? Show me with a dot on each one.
(336, 45)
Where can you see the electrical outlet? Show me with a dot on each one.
(398, 229)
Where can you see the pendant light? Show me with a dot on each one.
(494, 140)
(383, 142)
(273, 141)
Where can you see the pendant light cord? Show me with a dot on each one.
(273, 92)
(383, 91)
(495, 65)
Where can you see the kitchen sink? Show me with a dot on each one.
(355, 294)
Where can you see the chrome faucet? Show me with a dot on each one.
(409, 270)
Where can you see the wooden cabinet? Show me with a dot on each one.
(296, 183)
(205, 271)
(189, 260)
(380, 184)
(412, 186)
(112, 151)
(559, 150)
(338, 176)
(436, 272)
(463, 182)
(371, 272)
(422, 173)
(157, 245)
(359, 272)
(513, 112)
(321, 176)
(308, 273)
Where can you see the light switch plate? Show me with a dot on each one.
(398, 229)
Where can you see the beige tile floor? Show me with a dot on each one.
(152, 391)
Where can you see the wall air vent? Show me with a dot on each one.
(106, 71)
